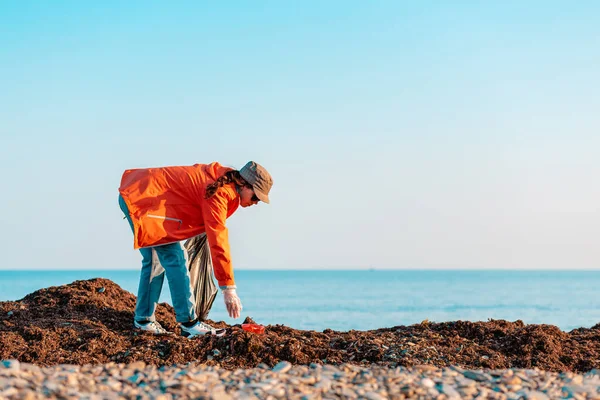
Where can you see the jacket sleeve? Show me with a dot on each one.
(214, 212)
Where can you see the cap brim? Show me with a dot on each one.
(261, 196)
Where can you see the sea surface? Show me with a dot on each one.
(372, 299)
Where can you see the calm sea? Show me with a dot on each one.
(344, 300)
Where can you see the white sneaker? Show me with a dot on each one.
(199, 329)
(152, 327)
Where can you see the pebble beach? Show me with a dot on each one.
(286, 381)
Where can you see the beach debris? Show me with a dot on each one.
(254, 328)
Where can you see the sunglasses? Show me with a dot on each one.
(254, 196)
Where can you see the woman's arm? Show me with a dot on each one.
(214, 211)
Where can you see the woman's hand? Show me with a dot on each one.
(232, 302)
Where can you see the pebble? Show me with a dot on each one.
(535, 395)
(282, 367)
(11, 364)
(477, 376)
(140, 381)
(428, 383)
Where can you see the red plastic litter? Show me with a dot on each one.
(254, 328)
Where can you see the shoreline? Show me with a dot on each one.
(140, 381)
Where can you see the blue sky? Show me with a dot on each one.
(429, 134)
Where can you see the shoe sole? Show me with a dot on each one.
(154, 333)
(141, 329)
(190, 336)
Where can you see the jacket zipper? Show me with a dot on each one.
(165, 218)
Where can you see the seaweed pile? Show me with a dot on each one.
(90, 322)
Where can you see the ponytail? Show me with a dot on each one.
(229, 176)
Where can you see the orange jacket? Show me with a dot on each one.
(167, 205)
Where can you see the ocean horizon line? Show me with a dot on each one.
(330, 269)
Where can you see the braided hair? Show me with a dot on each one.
(228, 177)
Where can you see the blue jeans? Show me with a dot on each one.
(172, 259)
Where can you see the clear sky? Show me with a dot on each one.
(425, 134)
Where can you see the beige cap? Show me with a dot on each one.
(259, 178)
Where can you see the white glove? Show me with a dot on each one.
(232, 302)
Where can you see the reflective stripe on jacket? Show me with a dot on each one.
(167, 205)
